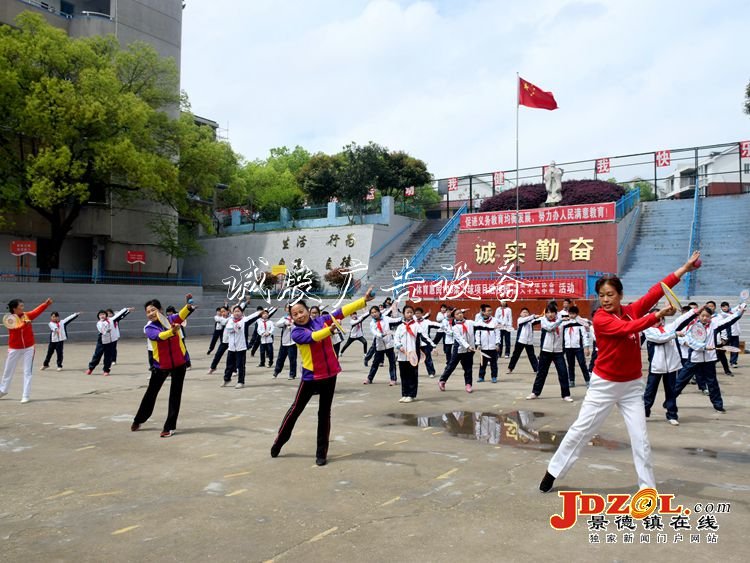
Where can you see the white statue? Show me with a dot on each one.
(553, 183)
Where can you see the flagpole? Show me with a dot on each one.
(518, 100)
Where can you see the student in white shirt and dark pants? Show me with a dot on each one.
(57, 338)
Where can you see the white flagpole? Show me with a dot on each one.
(518, 101)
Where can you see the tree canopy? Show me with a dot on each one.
(85, 117)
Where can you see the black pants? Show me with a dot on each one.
(98, 353)
(370, 352)
(114, 353)
(734, 340)
(428, 363)
(337, 349)
(594, 354)
(439, 335)
(291, 352)
(235, 362)
(467, 362)
(108, 351)
(448, 351)
(323, 387)
(545, 360)
(722, 356)
(266, 352)
(350, 340)
(571, 356)
(409, 379)
(151, 360)
(504, 340)
(254, 343)
(517, 349)
(214, 339)
(704, 372)
(670, 399)
(219, 353)
(158, 376)
(379, 359)
(492, 360)
(54, 347)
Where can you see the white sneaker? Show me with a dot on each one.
(432, 376)
(209, 372)
(25, 400)
(239, 386)
(531, 396)
(59, 369)
(43, 368)
(674, 422)
(408, 399)
(114, 363)
(402, 400)
(2, 394)
(568, 399)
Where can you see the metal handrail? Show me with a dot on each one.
(389, 241)
(695, 240)
(628, 233)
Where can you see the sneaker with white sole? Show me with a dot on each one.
(226, 383)
(441, 385)
(402, 400)
(468, 388)
(568, 399)
(59, 369)
(239, 386)
(408, 399)
(25, 400)
(43, 368)
(532, 396)
(673, 422)
(2, 394)
(210, 371)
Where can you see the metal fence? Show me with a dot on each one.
(722, 169)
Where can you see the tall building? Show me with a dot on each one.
(106, 228)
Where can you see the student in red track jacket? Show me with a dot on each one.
(616, 378)
(21, 346)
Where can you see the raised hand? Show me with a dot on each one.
(370, 294)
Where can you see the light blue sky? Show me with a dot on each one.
(437, 78)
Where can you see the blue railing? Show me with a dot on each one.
(626, 203)
(390, 240)
(629, 232)
(435, 241)
(61, 276)
(695, 237)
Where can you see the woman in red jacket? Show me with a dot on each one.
(20, 345)
(616, 378)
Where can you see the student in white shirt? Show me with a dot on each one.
(463, 350)
(504, 317)
(410, 339)
(104, 344)
(220, 321)
(487, 341)
(524, 340)
(57, 338)
(115, 319)
(356, 333)
(575, 341)
(664, 363)
(424, 325)
(287, 346)
(551, 352)
(380, 327)
(447, 326)
(442, 314)
(265, 329)
(701, 359)
(237, 346)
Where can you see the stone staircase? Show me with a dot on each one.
(446, 254)
(383, 277)
(662, 243)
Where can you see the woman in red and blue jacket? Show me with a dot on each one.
(170, 360)
(320, 366)
(617, 377)
(20, 345)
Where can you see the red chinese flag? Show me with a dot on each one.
(531, 96)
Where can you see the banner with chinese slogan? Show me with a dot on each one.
(561, 215)
(545, 248)
(495, 290)
(23, 247)
(136, 256)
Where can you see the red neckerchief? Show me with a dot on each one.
(408, 327)
(463, 326)
(58, 328)
(380, 327)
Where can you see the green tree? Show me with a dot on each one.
(83, 119)
(646, 188)
(268, 190)
(360, 170)
(399, 171)
(176, 241)
(282, 159)
(319, 177)
(747, 98)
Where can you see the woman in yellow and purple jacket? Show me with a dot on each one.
(170, 360)
(320, 366)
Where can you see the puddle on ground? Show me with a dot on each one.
(515, 428)
(726, 456)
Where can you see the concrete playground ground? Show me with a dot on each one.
(434, 480)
